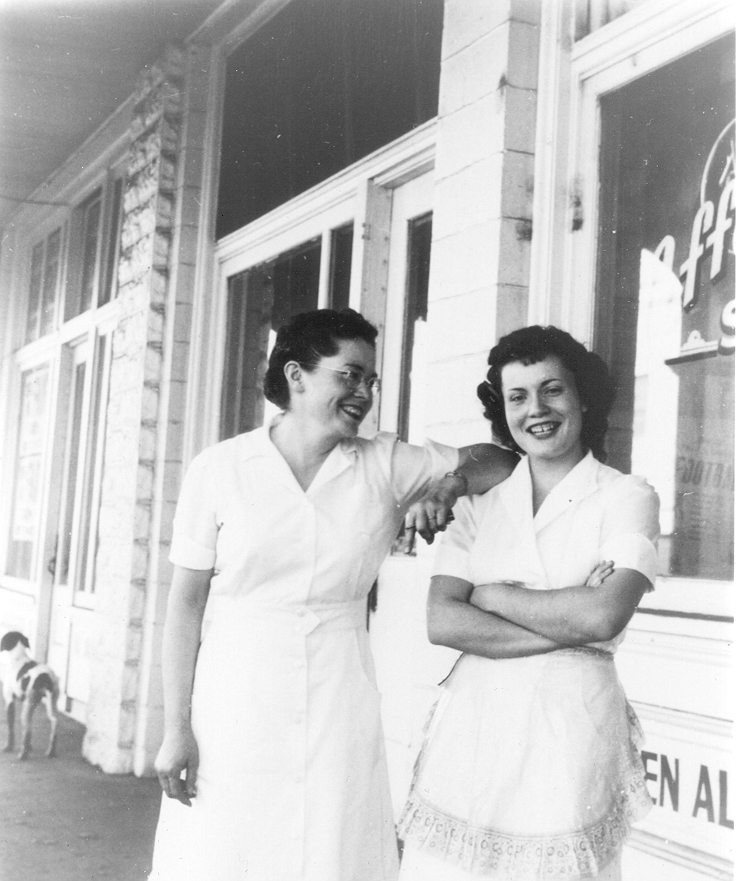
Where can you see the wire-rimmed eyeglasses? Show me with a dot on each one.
(355, 378)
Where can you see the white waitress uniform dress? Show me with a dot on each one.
(530, 768)
(292, 779)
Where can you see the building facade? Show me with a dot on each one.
(454, 170)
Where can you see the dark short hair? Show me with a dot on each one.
(532, 344)
(307, 338)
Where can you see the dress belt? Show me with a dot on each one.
(303, 618)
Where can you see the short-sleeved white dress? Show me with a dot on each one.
(292, 782)
(530, 768)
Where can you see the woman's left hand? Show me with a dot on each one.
(599, 574)
(432, 514)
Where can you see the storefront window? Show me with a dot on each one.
(259, 301)
(43, 287)
(25, 510)
(412, 415)
(665, 307)
(319, 86)
(413, 355)
(95, 248)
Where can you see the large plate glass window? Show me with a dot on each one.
(76, 544)
(44, 286)
(28, 487)
(95, 247)
(321, 85)
(665, 307)
(259, 300)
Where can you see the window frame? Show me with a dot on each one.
(361, 195)
(87, 326)
(565, 245)
(94, 350)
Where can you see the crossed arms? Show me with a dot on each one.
(509, 620)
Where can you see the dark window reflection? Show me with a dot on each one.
(665, 307)
(341, 262)
(319, 86)
(260, 300)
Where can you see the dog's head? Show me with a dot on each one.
(11, 640)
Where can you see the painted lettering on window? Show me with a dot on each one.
(678, 786)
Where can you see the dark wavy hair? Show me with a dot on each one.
(532, 344)
(307, 338)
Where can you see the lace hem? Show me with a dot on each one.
(515, 857)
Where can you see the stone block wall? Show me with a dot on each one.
(482, 226)
(132, 433)
(189, 225)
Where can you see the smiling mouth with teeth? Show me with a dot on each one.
(546, 428)
(353, 412)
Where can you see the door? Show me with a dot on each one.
(83, 391)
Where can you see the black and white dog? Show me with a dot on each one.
(27, 683)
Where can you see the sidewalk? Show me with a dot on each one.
(65, 820)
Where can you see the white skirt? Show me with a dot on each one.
(529, 769)
(293, 782)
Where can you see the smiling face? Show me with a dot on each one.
(327, 396)
(543, 410)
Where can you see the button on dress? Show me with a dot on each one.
(292, 780)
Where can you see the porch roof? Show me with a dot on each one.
(65, 65)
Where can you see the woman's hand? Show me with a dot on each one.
(599, 574)
(433, 513)
(179, 753)
(182, 634)
(480, 467)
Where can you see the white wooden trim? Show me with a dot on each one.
(551, 209)
(220, 31)
(650, 36)
(681, 726)
(645, 39)
(412, 200)
(83, 353)
(343, 198)
(199, 432)
(301, 226)
(703, 864)
(407, 157)
(692, 596)
(562, 274)
(687, 649)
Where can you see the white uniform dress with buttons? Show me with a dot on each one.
(292, 779)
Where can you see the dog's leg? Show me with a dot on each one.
(29, 705)
(50, 698)
(10, 718)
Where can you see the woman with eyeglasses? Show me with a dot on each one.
(530, 768)
(273, 757)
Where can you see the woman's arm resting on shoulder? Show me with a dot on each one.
(571, 615)
(482, 466)
(454, 622)
(182, 632)
(485, 466)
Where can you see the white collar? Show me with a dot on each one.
(580, 481)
